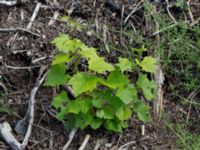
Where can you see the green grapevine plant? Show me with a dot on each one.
(104, 95)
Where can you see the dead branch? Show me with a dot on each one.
(97, 146)
(30, 112)
(142, 130)
(127, 144)
(11, 2)
(18, 29)
(23, 124)
(17, 67)
(159, 77)
(5, 129)
(71, 136)
(37, 8)
(158, 101)
(52, 20)
(170, 14)
(195, 22)
(191, 98)
(8, 3)
(137, 7)
(87, 137)
(190, 12)
(5, 133)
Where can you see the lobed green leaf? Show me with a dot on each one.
(125, 64)
(64, 44)
(62, 58)
(148, 64)
(148, 87)
(60, 100)
(116, 79)
(127, 94)
(142, 111)
(77, 106)
(56, 75)
(83, 82)
(123, 113)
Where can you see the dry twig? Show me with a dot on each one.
(142, 130)
(171, 16)
(137, 7)
(34, 15)
(71, 136)
(97, 146)
(30, 111)
(191, 98)
(159, 77)
(11, 2)
(52, 20)
(190, 12)
(5, 129)
(23, 124)
(8, 3)
(158, 101)
(18, 29)
(127, 144)
(5, 133)
(82, 147)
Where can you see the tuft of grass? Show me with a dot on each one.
(186, 139)
(178, 46)
(6, 109)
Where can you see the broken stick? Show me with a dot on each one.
(11, 2)
(5, 133)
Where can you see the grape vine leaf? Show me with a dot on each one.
(64, 44)
(99, 65)
(100, 113)
(60, 42)
(139, 50)
(70, 122)
(102, 99)
(77, 106)
(62, 113)
(96, 63)
(83, 82)
(124, 64)
(123, 113)
(142, 111)
(148, 64)
(127, 94)
(98, 103)
(96, 123)
(83, 120)
(115, 102)
(60, 100)
(62, 58)
(148, 87)
(113, 125)
(106, 113)
(88, 52)
(116, 79)
(56, 75)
